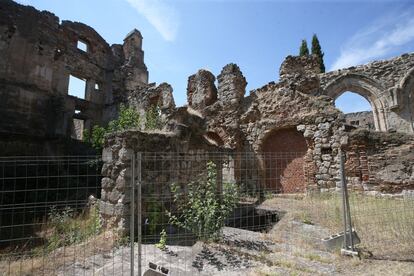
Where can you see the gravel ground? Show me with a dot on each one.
(291, 247)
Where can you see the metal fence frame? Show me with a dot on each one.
(137, 248)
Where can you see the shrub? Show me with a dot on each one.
(128, 118)
(201, 210)
(153, 118)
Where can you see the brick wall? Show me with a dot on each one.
(284, 152)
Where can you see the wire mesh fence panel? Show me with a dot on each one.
(197, 213)
(384, 216)
(49, 219)
(219, 213)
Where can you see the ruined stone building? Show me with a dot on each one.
(38, 56)
(294, 117)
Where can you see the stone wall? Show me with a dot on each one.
(386, 84)
(380, 162)
(37, 56)
(245, 123)
(363, 119)
(165, 158)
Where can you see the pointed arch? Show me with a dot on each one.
(368, 88)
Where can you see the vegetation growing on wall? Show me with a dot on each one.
(153, 118)
(128, 118)
(201, 209)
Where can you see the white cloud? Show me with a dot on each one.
(382, 38)
(162, 16)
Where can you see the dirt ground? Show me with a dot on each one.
(291, 247)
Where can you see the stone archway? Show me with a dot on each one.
(283, 155)
(404, 98)
(368, 88)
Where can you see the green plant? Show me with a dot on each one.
(303, 50)
(268, 195)
(96, 137)
(202, 210)
(153, 118)
(317, 50)
(306, 219)
(128, 118)
(162, 244)
(154, 215)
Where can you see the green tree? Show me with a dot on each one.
(317, 50)
(304, 50)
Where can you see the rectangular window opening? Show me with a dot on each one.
(96, 86)
(77, 87)
(77, 130)
(82, 46)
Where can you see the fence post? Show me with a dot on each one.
(139, 209)
(132, 215)
(348, 245)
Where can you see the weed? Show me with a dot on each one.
(66, 227)
(162, 244)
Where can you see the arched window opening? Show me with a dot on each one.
(357, 109)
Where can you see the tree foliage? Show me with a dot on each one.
(200, 209)
(304, 50)
(317, 50)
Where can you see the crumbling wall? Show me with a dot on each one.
(164, 157)
(380, 162)
(244, 123)
(201, 91)
(363, 119)
(146, 96)
(386, 84)
(38, 55)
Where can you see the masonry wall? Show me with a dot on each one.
(380, 162)
(165, 158)
(243, 124)
(37, 56)
(284, 151)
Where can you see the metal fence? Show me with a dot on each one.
(193, 214)
(46, 212)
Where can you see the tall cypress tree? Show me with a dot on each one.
(304, 51)
(316, 50)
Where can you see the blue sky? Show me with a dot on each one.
(182, 36)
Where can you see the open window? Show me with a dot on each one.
(357, 109)
(77, 87)
(82, 45)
